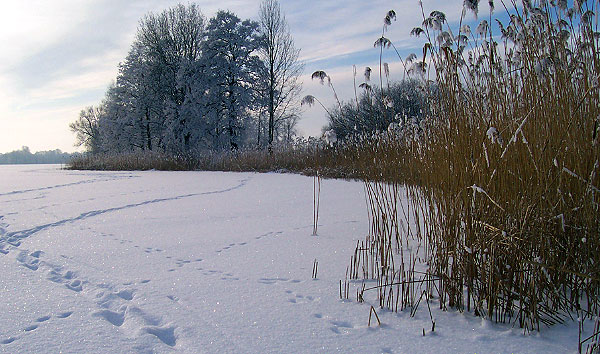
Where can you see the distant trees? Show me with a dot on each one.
(25, 156)
(188, 84)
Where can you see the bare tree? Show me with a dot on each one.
(283, 69)
(86, 128)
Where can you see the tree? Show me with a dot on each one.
(86, 128)
(282, 68)
(170, 41)
(405, 102)
(230, 68)
(141, 98)
(117, 125)
(142, 109)
(186, 85)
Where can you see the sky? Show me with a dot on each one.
(60, 56)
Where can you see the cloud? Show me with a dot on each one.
(327, 29)
(28, 25)
(62, 55)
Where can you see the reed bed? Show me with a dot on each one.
(352, 159)
(502, 188)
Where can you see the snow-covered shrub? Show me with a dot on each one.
(330, 137)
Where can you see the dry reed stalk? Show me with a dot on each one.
(316, 201)
(372, 311)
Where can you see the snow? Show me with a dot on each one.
(194, 262)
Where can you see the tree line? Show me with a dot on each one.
(190, 84)
(25, 156)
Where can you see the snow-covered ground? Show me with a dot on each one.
(193, 262)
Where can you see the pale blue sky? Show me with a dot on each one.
(59, 56)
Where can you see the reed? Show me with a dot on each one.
(498, 196)
(316, 201)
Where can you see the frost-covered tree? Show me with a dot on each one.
(185, 85)
(86, 129)
(141, 94)
(169, 41)
(230, 67)
(282, 69)
(118, 131)
(404, 103)
(143, 108)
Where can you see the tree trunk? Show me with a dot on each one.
(148, 135)
(271, 102)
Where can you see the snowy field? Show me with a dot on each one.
(194, 262)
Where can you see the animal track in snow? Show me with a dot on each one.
(115, 318)
(181, 262)
(224, 275)
(108, 298)
(75, 285)
(152, 250)
(271, 281)
(33, 262)
(341, 327)
(64, 314)
(164, 334)
(101, 179)
(298, 298)
(117, 309)
(67, 278)
(273, 234)
(336, 326)
(30, 260)
(113, 304)
(32, 327)
(138, 321)
(301, 299)
(233, 245)
(14, 238)
(126, 294)
(229, 276)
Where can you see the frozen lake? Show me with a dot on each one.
(192, 262)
